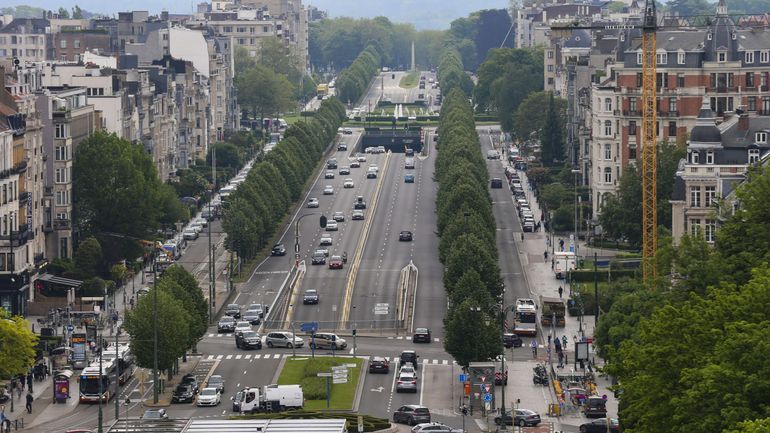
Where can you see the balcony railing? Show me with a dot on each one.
(61, 224)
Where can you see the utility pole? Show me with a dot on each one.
(212, 263)
(155, 384)
(101, 375)
(117, 377)
(503, 425)
(596, 293)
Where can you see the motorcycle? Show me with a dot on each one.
(541, 375)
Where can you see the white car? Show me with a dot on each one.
(190, 234)
(329, 174)
(526, 305)
(361, 158)
(195, 225)
(242, 326)
(407, 368)
(339, 217)
(209, 397)
(328, 190)
(313, 202)
(348, 183)
(331, 226)
(326, 239)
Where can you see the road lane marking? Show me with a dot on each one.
(422, 384)
(238, 356)
(229, 357)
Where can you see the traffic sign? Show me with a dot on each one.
(487, 397)
(381, 308)
(309, 327)
(70, 328)
(360, 424)
(463, 378)
(324, 374)
(336, 380)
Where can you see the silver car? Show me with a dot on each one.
(283, 339)
(407, 382)
(326, 340)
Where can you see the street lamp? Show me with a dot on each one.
(574, 228)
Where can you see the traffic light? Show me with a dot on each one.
(354, 332)
(323, 221)
(393, 76)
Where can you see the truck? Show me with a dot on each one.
(552, 308)
(322, 90)
(268, 398)
(563, 262)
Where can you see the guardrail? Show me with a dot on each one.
(407, 293)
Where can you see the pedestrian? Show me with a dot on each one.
(561, 290)
(552, 263)
(564, 342)
(22, 381)
(533, 345)
(29, 381)
(545, 255)
(30, 399)
(132, 303)
(522, 236)
(561, 244)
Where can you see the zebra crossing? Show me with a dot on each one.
(274, 356)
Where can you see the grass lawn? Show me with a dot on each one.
(409, 80)
(299, 369)
(292, 118)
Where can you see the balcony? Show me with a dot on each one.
(668, 113)
(39, 259)
(24, 197)
(61, 224)
(19, 238)
(632, 113)
(724, 89)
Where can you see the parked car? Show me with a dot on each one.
(278, 250)
(310, 297)
(521, 417)
(421, 335)
(595, 407)
(209, 397)
(405, 236)
(411, 414)
(379, 364)
(600, 426)
(512, 340)
(283, 339)
(435, 427)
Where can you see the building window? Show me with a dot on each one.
(607, 104)
(711, 194)
(749, 79)
(639, 58)
(632, 151)
(550, 68)
(62, 153)
(760, 137)
(749, 57)
(63, 43)
(60, 130)
(607, 128)
(632, 104)
(694, 196)
(722, 56)
(61, 175)
(672, 129)
(661, 58)
(607, 175)
(550, 54)
(680, 56)
(695, 227)
(76, 43)
(753, 156)
(752, 100)
(62, 198)
(608, 152)
(710, 157)
(632, 127)
(63, 250)
(265, 29)
(695, 157)
(710, 230)
(764, 56)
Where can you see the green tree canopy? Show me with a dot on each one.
(263, 91)
(17, 345)
(471, 335)
(173, 329)
(529, 120)
(88, 258)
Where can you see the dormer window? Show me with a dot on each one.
(760, 137)
(749, 56)
(722, 56)
(764, 56)
(639, 58)
(661, 58)
(710, 157)
(695, 158)
(680, 57)
(753, 156)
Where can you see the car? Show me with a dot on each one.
(336, 262)
(183, 393)
(248, 340)
(327, 340)
(360, 203)
(347, 131)
(283, 339)
(190, 234)
(361, 158)
(496, 183)
(409, 152)
(216, 381)
(378, 364)
(328, 190)
(259, 308)
(528, 226)
(349, 183)
(209, 397)
(155, 414)
(525, 305)
(421, 335)
(191, 381)
(242, 326)
(358, 215)
(252, 316)
(226, 324)
(331, 164)
(435, 427)
(329, 174)
(310, 297)
(408, 356)
(371, 174)
(331, 226)
(407, 368)
(326, 239)
(374, 167)
(521, 417)
(233, 310)
(319, 258)
(512, 340)
(406, 382)
(408, 178)
(278, 250)
(355, 164)
(342, 147)
(411, 414)
(600, 426)
(493, 154)
(405, 236)
(324, 250)
(370, 149)
(80, 430)
(344, 170)
(339, 217)
(313, 202)
(409, 163)
(595, 407)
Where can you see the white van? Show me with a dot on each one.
(409, 163)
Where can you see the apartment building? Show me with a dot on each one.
(718, 158)
(70, 46)
(725, 63)
(68, 119)
(27, 39)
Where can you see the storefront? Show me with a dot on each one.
(14, 293)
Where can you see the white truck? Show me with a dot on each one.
(563, 262)
(269, 398)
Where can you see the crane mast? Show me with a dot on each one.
(649, 146)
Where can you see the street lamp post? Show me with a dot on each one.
(101, 376)
(155, 389)
(574, 228)
(503, 314)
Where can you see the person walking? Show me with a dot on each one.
(545, 255)
(561, 290)
(533, 345)
(564, 342)
(30, 378)
(30, 399)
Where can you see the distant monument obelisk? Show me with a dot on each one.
(414, 67)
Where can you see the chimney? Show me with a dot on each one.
(743, 122)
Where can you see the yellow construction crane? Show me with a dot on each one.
(649, 28)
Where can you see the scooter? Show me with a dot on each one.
(539, 380)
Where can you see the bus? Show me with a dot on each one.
(117, 366)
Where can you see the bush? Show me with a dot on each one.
(314, 388)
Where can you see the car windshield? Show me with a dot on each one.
(209, 391)
(250, 334)
(181, 389)
(422, 331)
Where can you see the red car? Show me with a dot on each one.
(335, 262)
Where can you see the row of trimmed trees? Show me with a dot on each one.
(257, 207)
(451, 73)
(466, 227)
(353, 81)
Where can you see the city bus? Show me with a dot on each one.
(117, 366)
